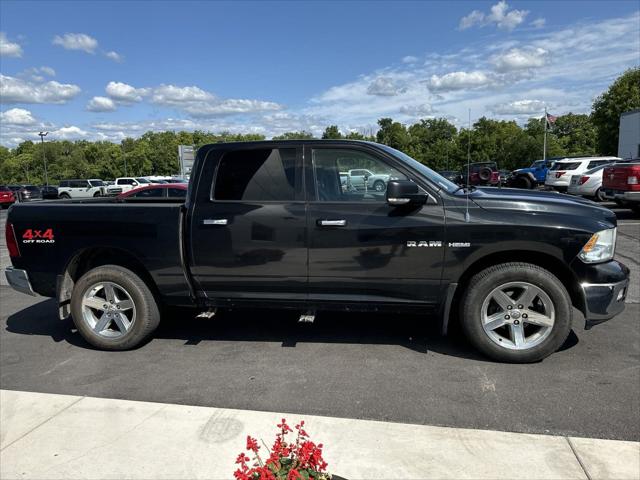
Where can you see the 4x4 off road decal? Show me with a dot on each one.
(38, 236)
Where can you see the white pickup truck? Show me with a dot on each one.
(362, 179)
(93, 187)
(124, 184)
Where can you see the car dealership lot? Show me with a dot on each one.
(359, 366)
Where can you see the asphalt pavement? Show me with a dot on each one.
(375, 367)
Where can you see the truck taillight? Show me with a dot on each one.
(12, 244)
(559, 174)
(632, 180)
(583, 180)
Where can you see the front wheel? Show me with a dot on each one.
(523, 182)
(64, 196)
(379, 186)
(516, 312)
(113, 308)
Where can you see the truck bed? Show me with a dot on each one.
(148, 232)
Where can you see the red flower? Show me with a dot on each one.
(293, 475)
(242, 459)
(252, 444)
(239, 475)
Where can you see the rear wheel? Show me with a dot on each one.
(113, 308)
(523, 182)
(516, 312)
(599, 196)
(64, 196)
(379, 186)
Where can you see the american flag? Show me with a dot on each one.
(551, 119)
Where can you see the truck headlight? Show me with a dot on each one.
(600, 247)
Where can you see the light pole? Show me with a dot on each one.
(44, 158)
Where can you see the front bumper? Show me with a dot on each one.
(603, 301)
(19, 280)
(604, 290)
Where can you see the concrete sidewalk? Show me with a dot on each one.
(64, 436)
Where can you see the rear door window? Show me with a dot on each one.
(150, 193)
(267, 174)
(177, 192)
(566, 166)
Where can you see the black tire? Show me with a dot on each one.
(523, 182)
(379, 186)
(64, 196)
(635, 208)
(484, 282)
(599, 196)
(96, 195)
(147, 312)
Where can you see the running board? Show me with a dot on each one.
(308, 317)
(208, 313)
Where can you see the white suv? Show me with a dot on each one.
(81, 188)
(124, 184)
(559, 175)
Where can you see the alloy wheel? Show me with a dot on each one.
(518, 315)
(108, 309)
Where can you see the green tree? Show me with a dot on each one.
(393, 134)
(301, 135)
(623, 95)
(576, 134)
(332, 133)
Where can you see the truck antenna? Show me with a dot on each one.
(466, 213)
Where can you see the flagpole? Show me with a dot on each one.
(544, 147)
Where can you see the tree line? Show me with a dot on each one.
(435, 142)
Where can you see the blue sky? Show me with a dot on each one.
(110, 69)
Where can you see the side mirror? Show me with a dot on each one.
(405, 192)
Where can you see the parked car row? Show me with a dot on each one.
(82, 189)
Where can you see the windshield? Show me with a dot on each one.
(538, 164)
(96, 183)
(143, 180)
(423, 169)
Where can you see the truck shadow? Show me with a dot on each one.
(413, 332)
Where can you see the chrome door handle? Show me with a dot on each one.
(215, 221)
(331, 223)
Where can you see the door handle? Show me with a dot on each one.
(331, 223)
(215, 221)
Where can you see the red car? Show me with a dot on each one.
(621, 182)
(7, 198)
(163, 190)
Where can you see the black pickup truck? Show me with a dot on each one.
(272, 224)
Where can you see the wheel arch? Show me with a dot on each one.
(92, 257)
(541, 259)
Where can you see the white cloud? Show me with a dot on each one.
(539, 22)
(125, 93)
(499, 15)
(172, 95)
(409, 59)
(421, 110)
(16, 90)
(9, 48)
(474, 18)
(101, 104)
(200, 103)
(384, 86)
(459, 81)
(519, 107)
(37, 74)
(520, 59)
(69, 133)
(76, 41)
(230, 106)
(17, 116)
(115, 56)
